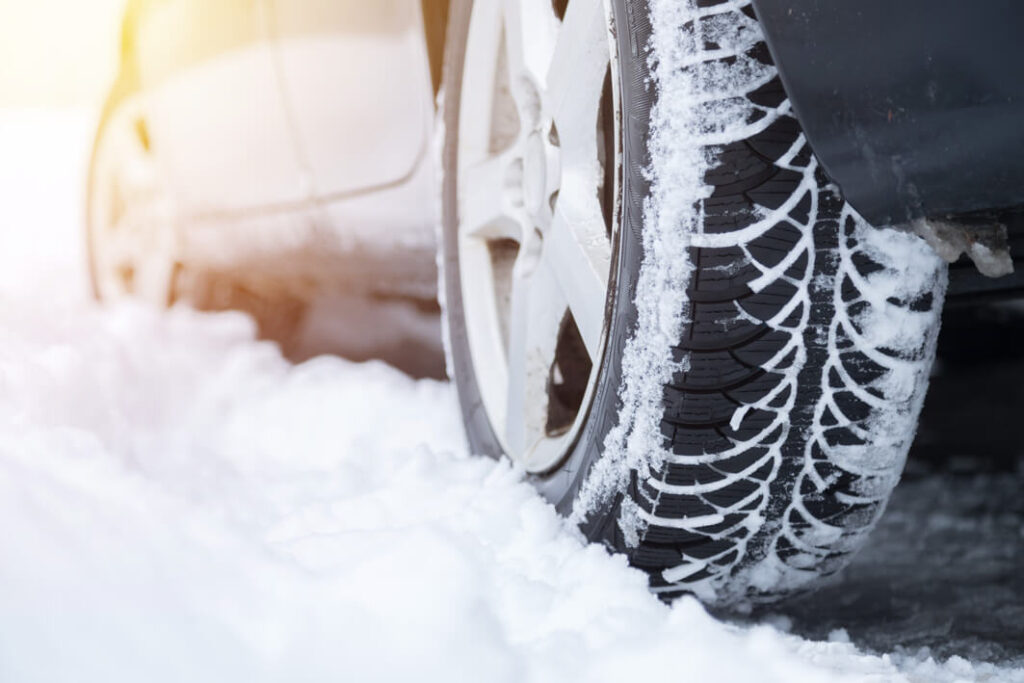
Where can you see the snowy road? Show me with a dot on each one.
(177, 502)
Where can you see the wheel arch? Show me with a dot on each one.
(912, 107)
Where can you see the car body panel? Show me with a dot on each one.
(213, 105)
(264, 104)
(357, 83)
(173, 36)
(912, 107)
(291, 135)
(234, 151)
(380, 243)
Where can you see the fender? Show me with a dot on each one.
(913, 107)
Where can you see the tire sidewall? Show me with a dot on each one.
(560, 486)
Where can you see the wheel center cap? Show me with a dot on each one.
(535, 175)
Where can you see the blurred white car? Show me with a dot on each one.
(253, 153)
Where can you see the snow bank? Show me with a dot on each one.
(180, 503)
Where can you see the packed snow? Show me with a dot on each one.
(181, 503)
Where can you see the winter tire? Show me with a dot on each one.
(657, 304)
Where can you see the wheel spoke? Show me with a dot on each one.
(578, 254)
(578, 65)
(578, 242)
(479, 82)
(490, 206)
(530, 32)
(158, 239)
(538, 308)
(134, 243)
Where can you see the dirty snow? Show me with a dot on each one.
(180, 503)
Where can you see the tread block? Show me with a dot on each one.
(697, 441)
(771, 94)
(714, 371)
(777, 190)
(729, 496)
(777, 139)
(678, 507)
(744, 460)
(775, 244)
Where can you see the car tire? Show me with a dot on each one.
(764, 353)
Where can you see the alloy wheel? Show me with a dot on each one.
(130, 215)
(538, 155)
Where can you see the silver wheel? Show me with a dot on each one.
(131, 237)
(537, 149)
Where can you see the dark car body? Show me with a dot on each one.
(913, 107)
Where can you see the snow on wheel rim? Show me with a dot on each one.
(538, 154)
(131, 217)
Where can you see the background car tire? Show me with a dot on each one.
(755, 453)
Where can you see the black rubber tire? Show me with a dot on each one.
(776, 393)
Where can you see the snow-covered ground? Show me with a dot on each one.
(179, 503)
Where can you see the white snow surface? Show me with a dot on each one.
(180, 503)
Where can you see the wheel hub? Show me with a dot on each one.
(541, 178)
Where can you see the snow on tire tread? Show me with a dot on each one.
(772, 385)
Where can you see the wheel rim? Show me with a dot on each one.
(131, 217)
(538, 159)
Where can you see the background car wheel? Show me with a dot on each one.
(130, 235)
(657, 304)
